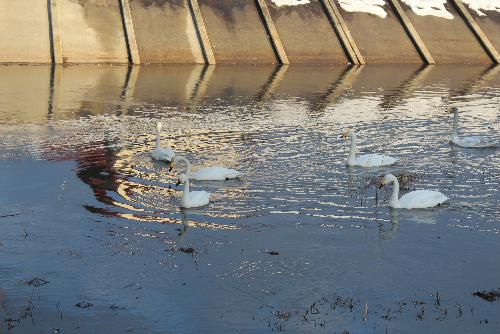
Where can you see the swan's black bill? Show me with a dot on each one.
(178, 182)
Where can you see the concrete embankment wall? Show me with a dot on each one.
(248, 31)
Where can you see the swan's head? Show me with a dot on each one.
(347, 134)
(182, 178)
(159, 126)
(389, 178)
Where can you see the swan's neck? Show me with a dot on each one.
(395, 194)
(352, 152)
(188, 165)
(454, 132)
(185, 194)
(158, 139)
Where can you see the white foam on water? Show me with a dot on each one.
(479, 5)
(430, 7)
(280, 3)
(365, 6)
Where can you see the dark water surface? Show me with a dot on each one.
(85, 210)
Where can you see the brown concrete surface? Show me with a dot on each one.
(24, 27)
(380, 40)
(165, 32)
(448, 41)
(236, 32)
(92, 31)
(306, 34)
(490, 24)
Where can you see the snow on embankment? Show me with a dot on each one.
(365, 6)
(429, 7)
(480, 5)
(280, 3)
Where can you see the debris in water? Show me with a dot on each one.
(490, 296)
(189, 250)
(36, 282)
(83, 305)
(273, 252)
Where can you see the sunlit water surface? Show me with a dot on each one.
(83, 206)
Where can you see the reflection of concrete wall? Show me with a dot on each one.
(24, 92)
(236, 31)
(92, 31)
(165, 32)
(448, 41)
(381, 40)
(86, 89)
(24, 31)
(174, 83)
(306, 34)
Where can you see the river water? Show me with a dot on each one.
(92, 239)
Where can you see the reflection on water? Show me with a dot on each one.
(299, 225)
(279, 125)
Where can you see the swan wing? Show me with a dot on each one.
(473, 141)
(215, 174)
(197, 198)
(420, 199)
(374, 160)
(163, 154)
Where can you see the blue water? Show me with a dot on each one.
(83, 207)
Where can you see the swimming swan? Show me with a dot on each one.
(418, 199)
(191, 199)
(366, 160)
(160, 153)
(467, 141)
(210, 173)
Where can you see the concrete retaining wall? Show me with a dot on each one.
(91, 31)
(24, 27)
(306, 33)
(247, 31)
(380, 40)
(165, 32)
(448, 40)
(236, 31)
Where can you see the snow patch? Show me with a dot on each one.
(280, 3)
(430, 7)
(479, 5)
(365, 6)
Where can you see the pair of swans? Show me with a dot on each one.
(418, 199)
(194, 199)
(467, 141)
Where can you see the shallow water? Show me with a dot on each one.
(84, 208)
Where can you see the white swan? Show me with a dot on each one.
(161, 153)
(366, 160)
(467, 141)
(190, 199)
(418, 199)
(210, 173)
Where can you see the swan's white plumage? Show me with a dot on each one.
(161, 153)
(366, 160)
(372, 160)
(192, 199)
(215, 174)
(467, 141)
(418, 199)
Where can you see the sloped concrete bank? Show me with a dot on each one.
(249, 31)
